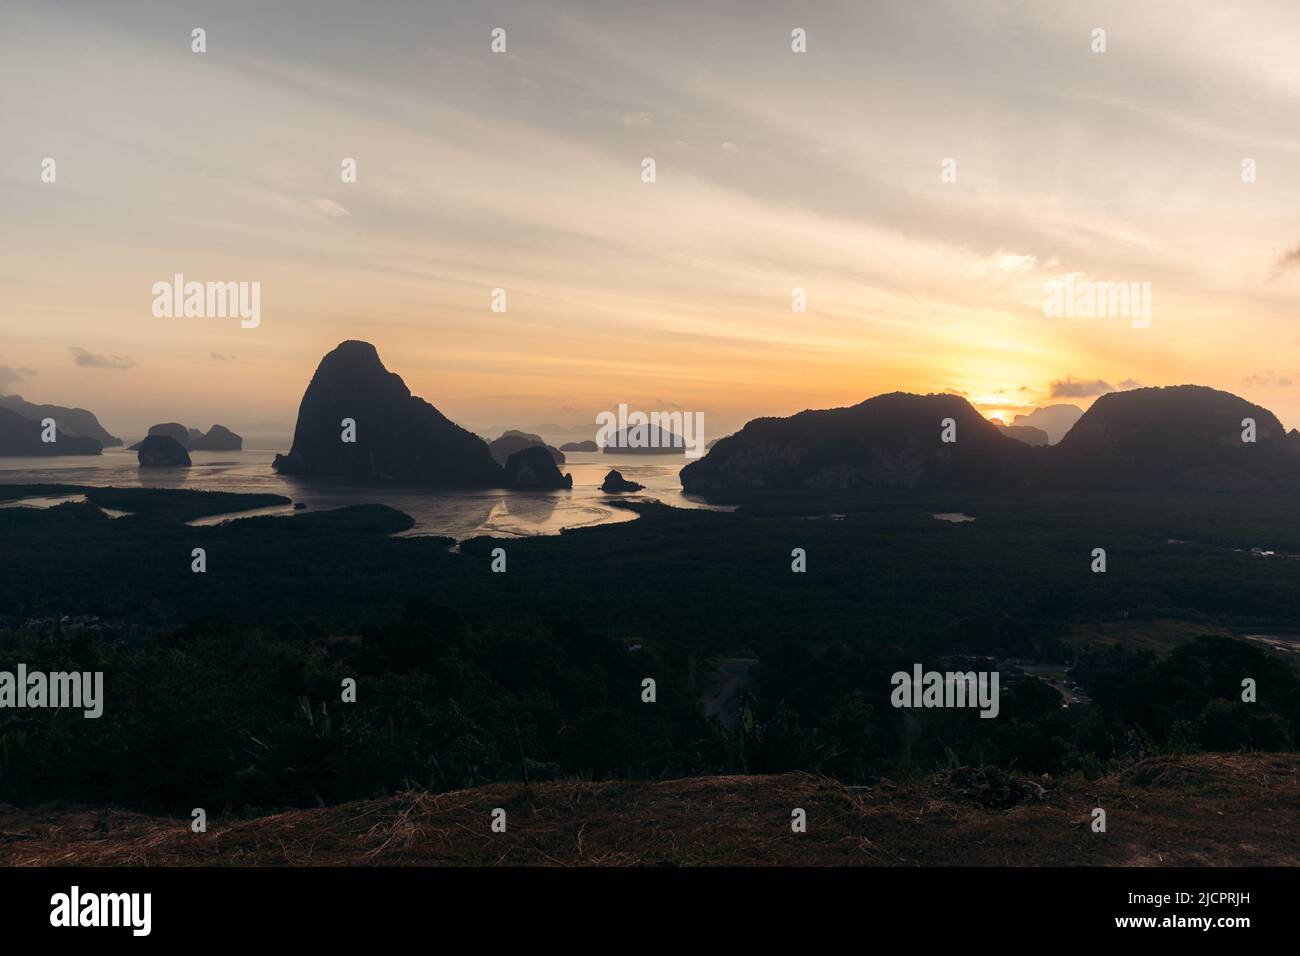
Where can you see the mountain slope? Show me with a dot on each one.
(71, 421)
(1027, 434)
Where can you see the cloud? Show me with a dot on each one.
(306, 205)
(1071, 387)
(637, 119)
(1287, 260)
(94, 360)
(219, 357)
(11, 376)
(1012, 262)
(1130, 383)
(1268, 380)
(328, 207)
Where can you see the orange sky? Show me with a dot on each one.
(521, 170)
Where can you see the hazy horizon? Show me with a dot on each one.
(278, 435)
(522, 170)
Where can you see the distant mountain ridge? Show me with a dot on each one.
(70, 421)
(1054, 420)
(21, 436)
(1183, 437)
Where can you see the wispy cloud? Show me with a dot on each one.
(95, 360)
(1012, 262)
(309, 205)
(1268, 380)
(12, 376)
(1288, 260)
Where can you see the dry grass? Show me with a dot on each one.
(1208, 809)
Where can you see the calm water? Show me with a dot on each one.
(459, 515)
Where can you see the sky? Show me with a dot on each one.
(774, 171)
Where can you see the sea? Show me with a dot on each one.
(458, 514)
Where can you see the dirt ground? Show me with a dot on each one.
(1234, 810)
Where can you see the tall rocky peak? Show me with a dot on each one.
(396, 435)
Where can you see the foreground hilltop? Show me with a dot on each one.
(1210, 809)
(1180, 438)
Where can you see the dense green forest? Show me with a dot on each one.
(224, 687)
